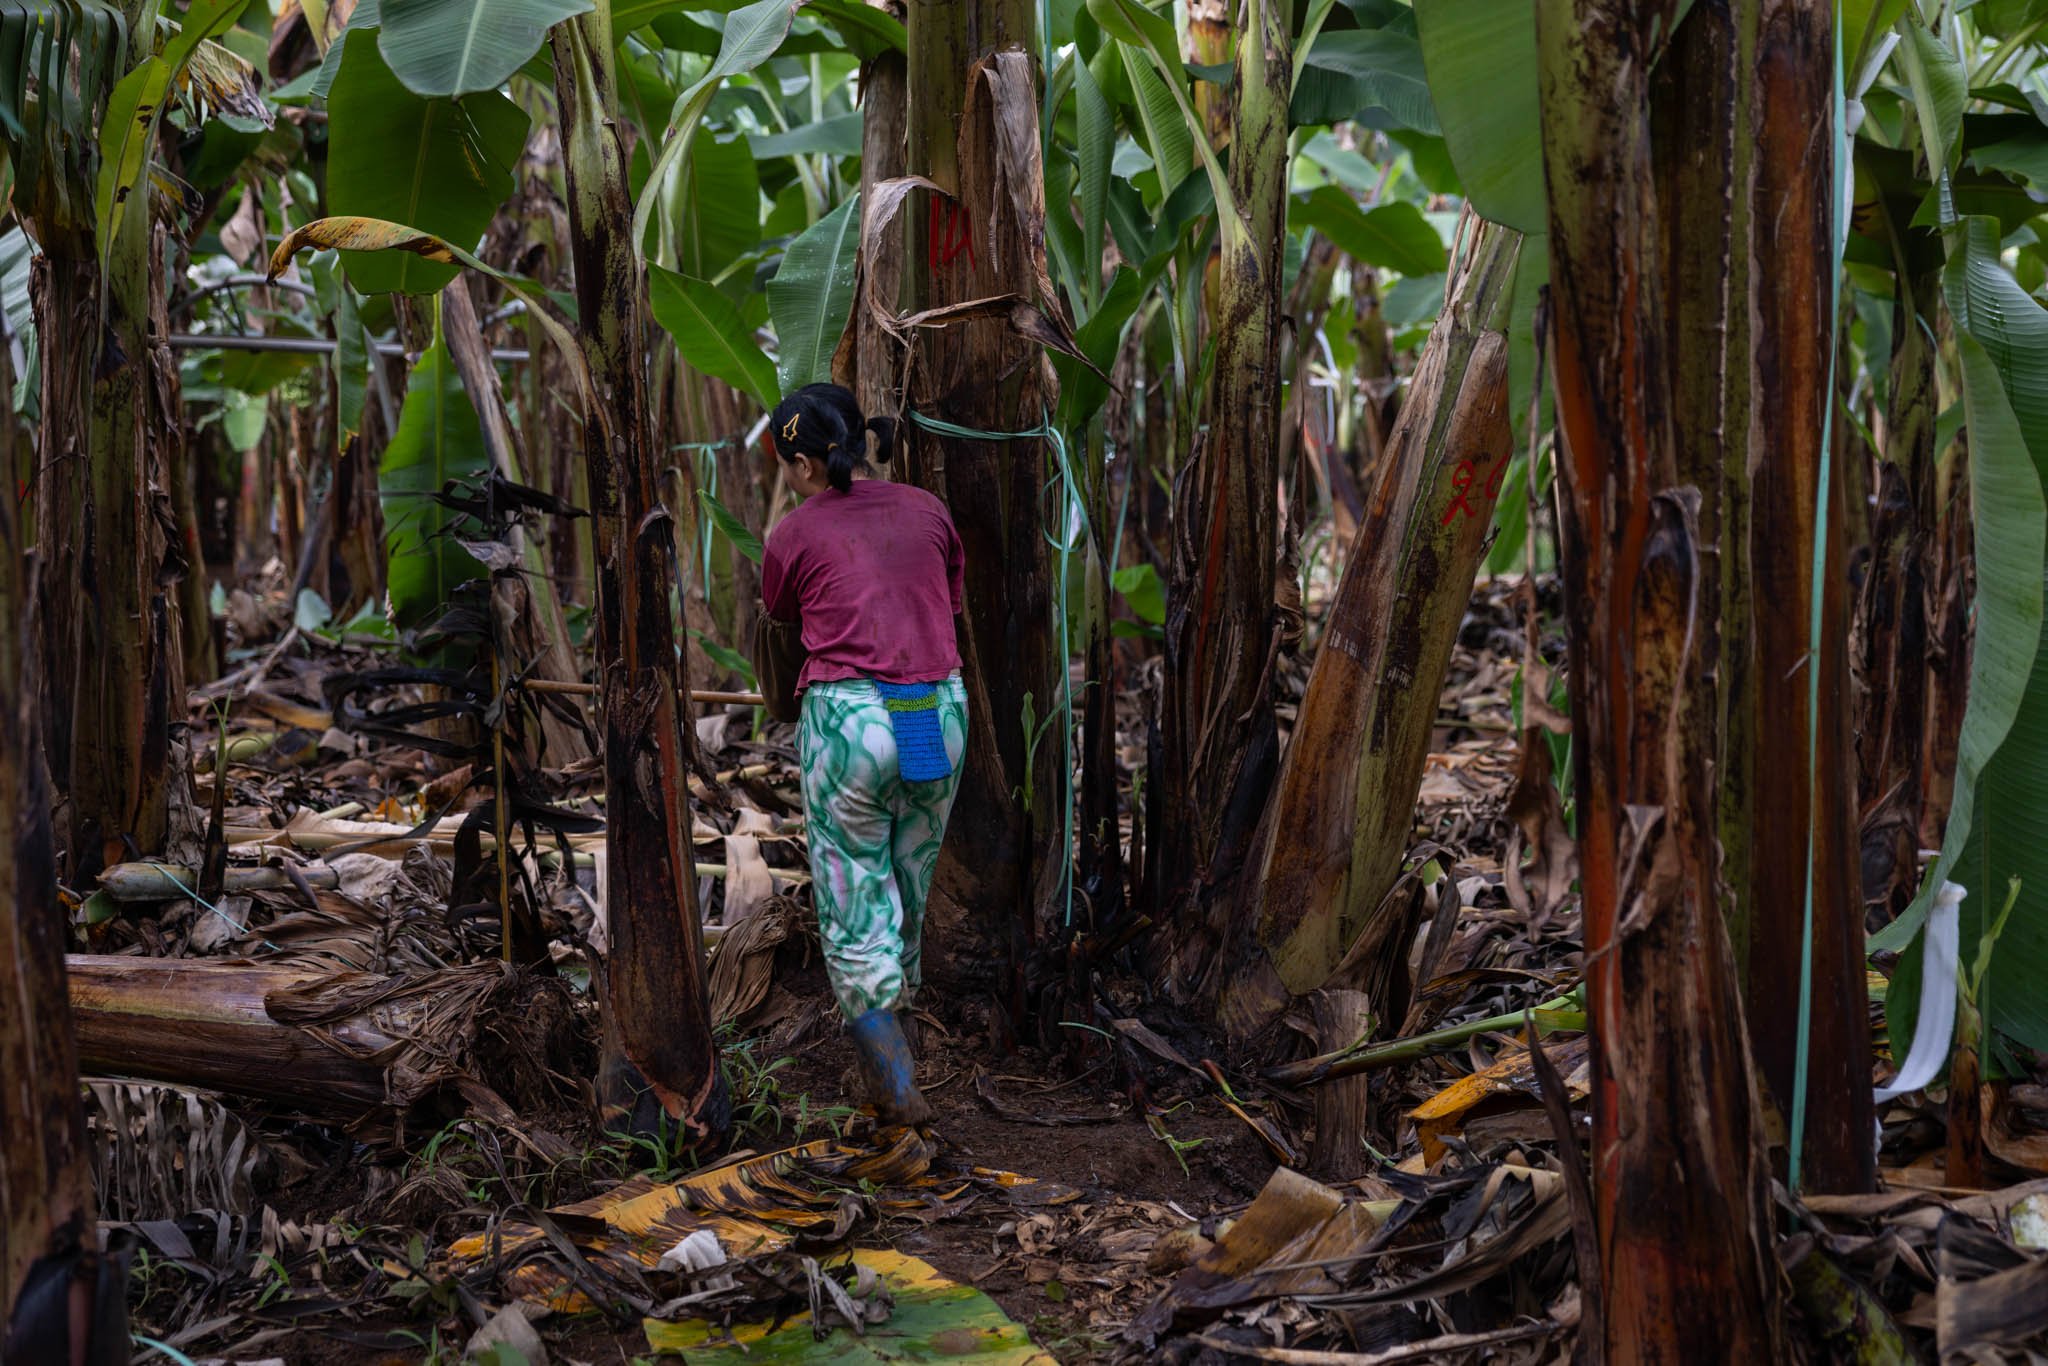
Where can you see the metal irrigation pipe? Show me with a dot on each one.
(310, 346)
(749, 699)
(179, 305)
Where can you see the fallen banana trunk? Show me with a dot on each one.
(319, 718)
(206, 1024)
(166, 881)
(169, 881)
(344, 1044)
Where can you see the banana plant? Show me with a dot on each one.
(83, 97)
(1955, 154)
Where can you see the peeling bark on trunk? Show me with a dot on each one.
(1681, 1180)
(1790, 301)
(1953, 577)
(45, 1179)
(869, 360)
(1002, 858)
(657, 1007)
(1337, 831)
(1218, 745)
(1744, 218)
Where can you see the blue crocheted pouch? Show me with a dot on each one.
(920, 745)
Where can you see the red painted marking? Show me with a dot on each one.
(1462, 492)
(1461, 484)
(950, 233)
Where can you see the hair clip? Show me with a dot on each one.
(789, 427)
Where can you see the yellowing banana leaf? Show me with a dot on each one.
(754, 1207)
(934, 1319)
(1512, 1075)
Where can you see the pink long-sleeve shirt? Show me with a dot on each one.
(875, 576)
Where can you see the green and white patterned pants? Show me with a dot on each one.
(874, 838)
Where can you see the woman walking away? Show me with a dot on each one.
(872, 570)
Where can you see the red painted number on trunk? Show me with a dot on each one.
(1462, 492)
(951, 234)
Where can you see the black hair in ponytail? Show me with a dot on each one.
(824, 421)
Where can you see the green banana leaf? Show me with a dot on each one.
(752, 34)
(811, 295)
(838, 135)
(1481, 59)
(1393, 236)
(351, 351)
(1143, 33)
(367, 14)
(867, 30)
(1101, 333)
(459, 47)
(1994, 828)
(439, 165)
(438, 440)
(2023, 156)
(1095, 134)
(930, 1319)
(134, 109)
(723, 517)
(2008, 833)
(710, 334)
(1351, 71)
(1940, 88)
(1167, 134)
(717, 213)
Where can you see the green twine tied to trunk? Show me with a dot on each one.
(1073, 509)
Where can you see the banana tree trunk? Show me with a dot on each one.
(45, 1178)
(1804, 824)
(657, 1007)
(201, 659)
(869, 360)
(1891, 639)
(1002, 858)
(1682, 1195)
(1218, 744)
(1953, 567)
(102, 517)
(1338, 828)
(1746, 268)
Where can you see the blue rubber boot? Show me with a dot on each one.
(891, 1071)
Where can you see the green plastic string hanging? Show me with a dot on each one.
(1072, 508)
(1836, 243)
